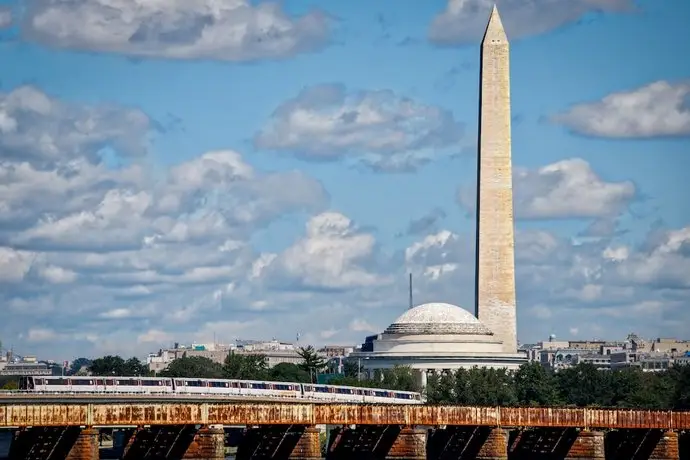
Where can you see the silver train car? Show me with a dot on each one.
(214, 387)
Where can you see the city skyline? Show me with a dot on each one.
(168, 181)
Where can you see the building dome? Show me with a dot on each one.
(436, 319)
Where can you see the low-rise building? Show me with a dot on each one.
(598, 360)
(276, 352)
(23, 368)
(648, 362)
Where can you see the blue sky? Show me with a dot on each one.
(258, 169)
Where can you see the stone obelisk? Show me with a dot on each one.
(495, 264)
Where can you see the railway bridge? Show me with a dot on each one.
(196, 430)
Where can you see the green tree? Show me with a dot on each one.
(245, 366)
(193, 367)
(355, 382)
(77, 365)
(401, 378)
(535, 386)
(462, 393)
(680, 376)
(585, 385)
(312, 362)
(107, 365)
(350, 368)
(9, 384)
(440, 388)
(115, 365)
(288, 372)
(134, 367)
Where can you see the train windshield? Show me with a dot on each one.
(26, 383)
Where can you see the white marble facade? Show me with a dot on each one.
(436, 337)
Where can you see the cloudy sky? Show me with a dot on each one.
(181, 170)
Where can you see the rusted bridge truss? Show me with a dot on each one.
(114, 414)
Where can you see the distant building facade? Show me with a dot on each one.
(276, 352)
(28, 365)
(649, 355)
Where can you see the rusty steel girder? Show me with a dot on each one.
(103, 414)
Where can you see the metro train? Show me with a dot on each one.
(214, 387)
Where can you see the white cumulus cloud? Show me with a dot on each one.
(233, 30)
(5, 18)
(658, 109)
(381, 129)
(41, 130)
(464, 21)
(333, 254)
(567, 189)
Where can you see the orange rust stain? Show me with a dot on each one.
(541, 416)
(234, 413)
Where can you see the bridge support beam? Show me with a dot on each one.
(85, 447)
(309, 445)
(495, 446)
(667, 448)
(208, 444)
(589, 445)
(409, 445)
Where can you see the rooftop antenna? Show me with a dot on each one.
(411, 291)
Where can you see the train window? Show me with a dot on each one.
(38, 381)
(109, 382)
(57, 381)
(308, 388)
(128, 382)
(235, 384)
(151, 383)
(179, 383)
(83, 382)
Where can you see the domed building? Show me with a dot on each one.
(435, 337)
(438, 336)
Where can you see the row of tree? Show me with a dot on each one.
(582, 385)
(236, 366)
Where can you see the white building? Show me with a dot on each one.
(275, 352)
(435, 337)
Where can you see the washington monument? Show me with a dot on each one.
(495, 264)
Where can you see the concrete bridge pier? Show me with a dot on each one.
(667, 447)
(495, 446)
(589, 445)
(208, 444)
(309, 445)
(85, 447)
(409, 445)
